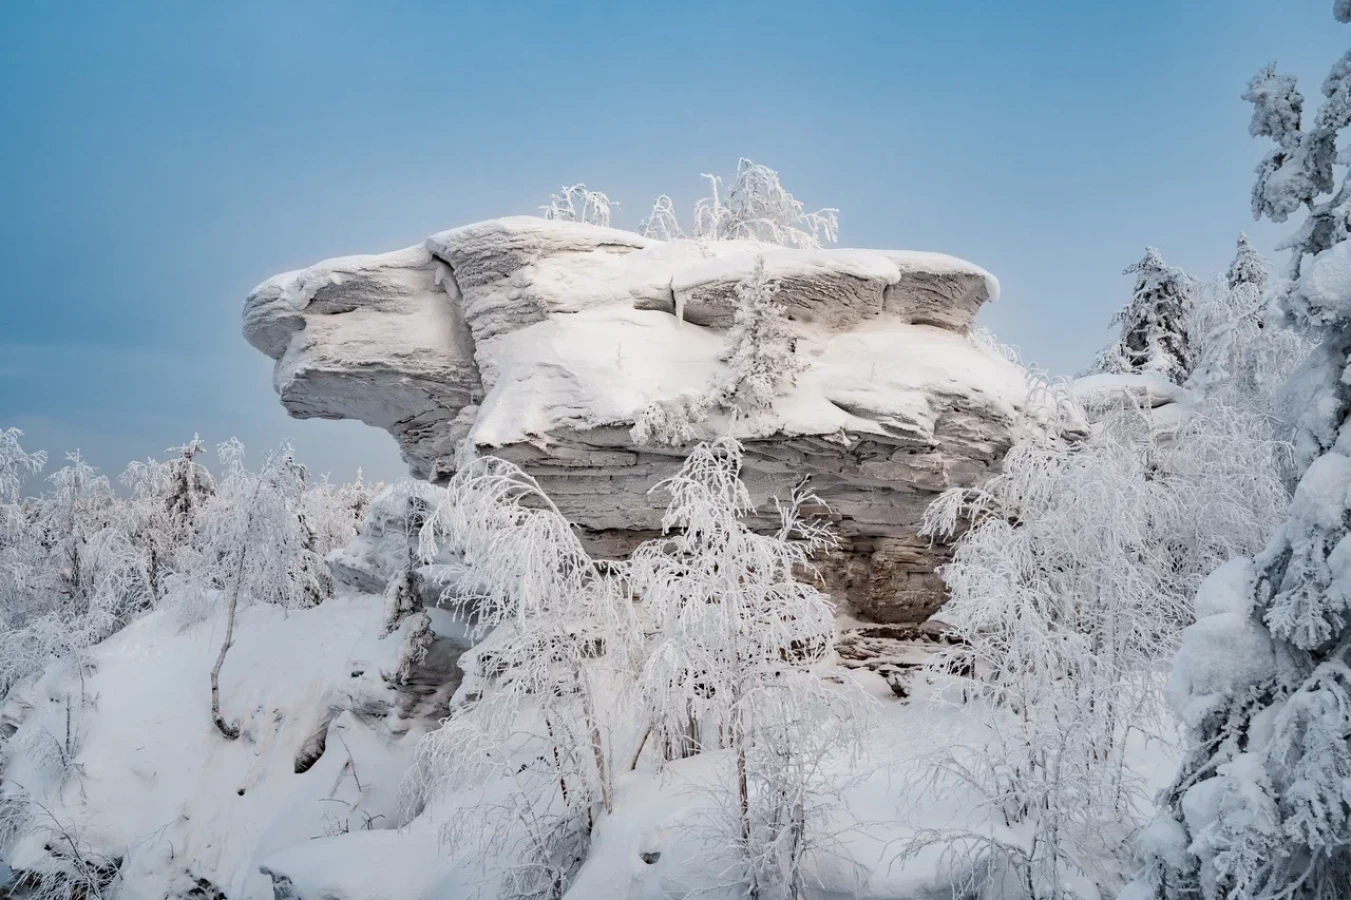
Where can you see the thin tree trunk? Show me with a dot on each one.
(744, 803)
(637, 754)
(597, 748)
(229, 730)
(558, 762)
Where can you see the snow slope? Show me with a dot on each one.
(151, 780)
(121, 761)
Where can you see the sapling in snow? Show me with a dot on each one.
(673, 422)
(255, 546)
(531, 729)
(741, 633)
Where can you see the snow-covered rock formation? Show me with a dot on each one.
(1165, 406)
(542, 342)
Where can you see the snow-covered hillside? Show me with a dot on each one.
(116, 766)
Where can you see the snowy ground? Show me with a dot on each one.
(150, 780)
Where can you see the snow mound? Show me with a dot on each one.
(1324, 294)
(1225, 651)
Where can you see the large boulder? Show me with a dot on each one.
(541, 341)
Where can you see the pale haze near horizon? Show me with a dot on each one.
(163, 158)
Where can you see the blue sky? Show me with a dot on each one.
(161, 158)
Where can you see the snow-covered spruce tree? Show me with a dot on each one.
(1069, 593)
(1243, 354)
(255, 546)
(760, 352)
(760, 349)
(739, 642)
(528, 744)
(166, 498)
(575, 203)
(757, 208)
(1154, 322)
(1248, 269)
(1261, 807)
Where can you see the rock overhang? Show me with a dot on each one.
(541, 340)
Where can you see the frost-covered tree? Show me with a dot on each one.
(661, 223)
(81, 561)
(1154, 322)
(331, 513)
(1248, 269)
(1068, 595)
(402, 510)
(673, 422)
(760, 352)
(16, 465)
(576, 203)
(761, 363)
(18, 550)
(1243, 353)
(739, 643)
(74, 575)
(760, 349)
(255, 546)
(1299, 168)
(77, 517)
(1261, 807)
(529, 737)
(16, 540)
(167, 497)
(756, 207)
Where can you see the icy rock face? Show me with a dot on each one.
(541, 342)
